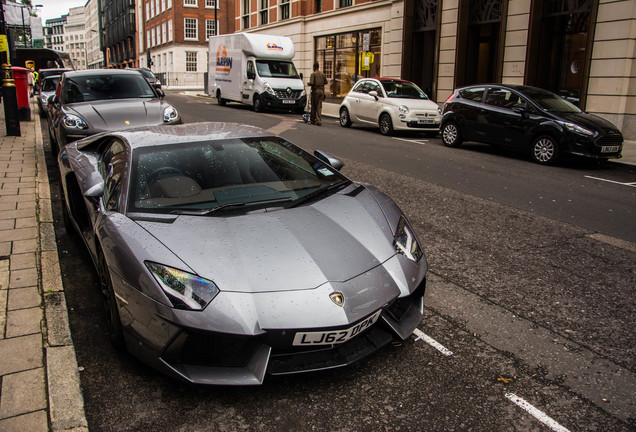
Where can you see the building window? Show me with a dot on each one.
(344, 3)
(191, 29)
(210, 29)
(318, 5)
(154, 36)
(191, 61)
(164, 36)
(284, 9)
(210, 4)
(147, 11)
(190, 3)
(264, 12)
(163, 5)
(148, 38)
(152, 8)
(170, 30)
(246, 14)
(169, 4)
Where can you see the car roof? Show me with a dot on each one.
(93, 72)
(517, 87)
(153, 136)
(50, 77)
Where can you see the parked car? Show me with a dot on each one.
(97, 100)
(43, 73)
(391, 104)
(150, 77)
(226, 252)
(531, 119)
(47, 89)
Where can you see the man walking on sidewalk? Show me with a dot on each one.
(317, 82)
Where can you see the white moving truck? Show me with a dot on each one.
(257, 70)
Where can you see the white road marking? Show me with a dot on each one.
(420, 142)
(432, 342)
(536, 413)
(612, 181)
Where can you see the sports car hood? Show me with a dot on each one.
(119, 114)
(334, 239)
(589, 121)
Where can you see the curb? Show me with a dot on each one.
(66, 402)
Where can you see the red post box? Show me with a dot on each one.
(22, 92)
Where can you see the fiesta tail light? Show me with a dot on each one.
(450, 98)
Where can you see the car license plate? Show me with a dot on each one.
(288, 101)
(425, 121)
(610, 149)
(334, 337)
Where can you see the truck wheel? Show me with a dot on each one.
(258, 105)
(219, 99)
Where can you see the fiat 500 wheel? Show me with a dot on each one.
(345, 120)
(386, 124)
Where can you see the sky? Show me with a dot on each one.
(55, 8)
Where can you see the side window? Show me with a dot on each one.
(473, 94)
(250, 70)
(111, 167)
(502, 98)
(361, 87)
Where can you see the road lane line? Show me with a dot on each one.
(420, 142)
(432, 342)
(536, 413)
(612, 181)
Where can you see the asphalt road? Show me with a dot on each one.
(527, 299)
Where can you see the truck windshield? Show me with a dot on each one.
(276, 69)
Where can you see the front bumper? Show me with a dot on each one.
(418, 120)
(293, 102)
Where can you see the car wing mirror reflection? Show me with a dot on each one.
(329, 158)
(374, 94)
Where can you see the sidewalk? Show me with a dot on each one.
(39, 380)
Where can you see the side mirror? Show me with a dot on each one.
(251, 75)
(374, 94)
(93, 185)
(51, 100)
(329, 159)
(520, 110)
(160, 93)
(301, 76)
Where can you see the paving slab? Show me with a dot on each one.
(22, 261)
(24, 322)
(23, 393)
(23, 278)
(66, 404)
(23, 298)
(21, 353)
(32, 422)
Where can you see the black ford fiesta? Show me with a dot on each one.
(528, 118)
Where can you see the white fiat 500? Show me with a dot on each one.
(391, 104)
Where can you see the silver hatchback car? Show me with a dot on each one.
(225, 252)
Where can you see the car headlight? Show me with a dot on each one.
(268, 88)
(186, 291)
(170, 114)
(404, 109)
(405, 242)
(71, 121)
(572, 127)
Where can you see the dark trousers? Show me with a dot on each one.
(316, 106)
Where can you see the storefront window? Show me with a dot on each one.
(347, 57)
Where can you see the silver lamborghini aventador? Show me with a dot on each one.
(226, 253)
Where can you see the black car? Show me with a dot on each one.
(530, 119)
(150, 77)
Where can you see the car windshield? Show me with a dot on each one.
(202, 177)
(86, 88)
(276, 69)
(50, 84)
(402, 90)
(550, 102)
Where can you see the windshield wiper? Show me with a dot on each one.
(314, 194)
(205, 212)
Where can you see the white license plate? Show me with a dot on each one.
(425, 121)
(334, 337)
(610, 149)
(288, 101)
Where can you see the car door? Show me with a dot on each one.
(248, 82)
(355, 98)
(369, 105)
(469, 113)
(505, 118)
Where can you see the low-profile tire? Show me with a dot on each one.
(386, 124)
(451, 136)
(545, 150)
(258, 104)
(219, 99)
(115, 329)
(345, 119)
